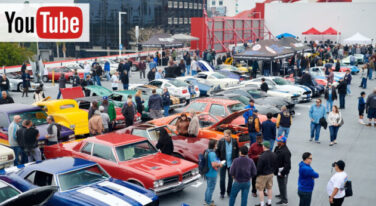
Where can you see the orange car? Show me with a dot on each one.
(211, 127)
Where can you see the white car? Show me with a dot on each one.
(216, 79)
(359, 59)
(6, 157)
(177, 88)
(274, 91)
(285, 85)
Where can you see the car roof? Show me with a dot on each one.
(126, 92)
(217, 101)
(115, 139)
(15, 107)
(59, 165)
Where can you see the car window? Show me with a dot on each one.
(7, 191)
(103, 152)
(217, 110)
(235, 107)
(242, 99)
(37, 117)
(196, 106)
(116, 97)
(67, 106)
(178, 83)
(255, 94)
(136, 150)
(206, 120)
(281, 81)
(140, 132)
(87, 148)
(173, 122)
(40, 178)
(156, 83)
(202, 76)
(4, 123)
(218, 75)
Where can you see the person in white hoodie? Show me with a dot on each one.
(334, 121)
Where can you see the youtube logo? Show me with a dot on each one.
(45, 23)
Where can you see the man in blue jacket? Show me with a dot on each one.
(269, 129)
(316, 112)
(306, 180)
(107, 70)
(249, 113)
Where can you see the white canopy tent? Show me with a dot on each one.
(358, 38)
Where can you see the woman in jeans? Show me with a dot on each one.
(334, 119)
(211, 175)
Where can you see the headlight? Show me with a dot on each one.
(158, 183)
(195, 171)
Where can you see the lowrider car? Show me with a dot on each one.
(33, 113)
(80, 182)
(6, 157)
(210, 129)
(67, 113)
(15, 82)
(133, 159)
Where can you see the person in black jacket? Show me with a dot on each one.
(330, 95)
(342, 91)
(4, 83)
(125, 80)
(266, 166)
(166, 101)
(76, 81)
(165, 143)
(62, 84)
(128, 110)
(120, 68)
(182, 67)
(283, 168)
(224, 145)
(98, 74)
(139, 102)
(25, 83)
(5, 99)
(151, 74)
(87, 82)
(264, 86)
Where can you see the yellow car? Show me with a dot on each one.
(67, 113)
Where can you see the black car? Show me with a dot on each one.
(317, 90)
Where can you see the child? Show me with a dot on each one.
(361, 107)
(364, 76)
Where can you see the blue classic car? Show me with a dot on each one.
(80, 182)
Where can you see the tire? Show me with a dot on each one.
(45, 79)
(20, 87)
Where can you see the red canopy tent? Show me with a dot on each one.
(330, 31)
(312, 31)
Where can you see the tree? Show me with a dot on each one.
(12, 54)
(144, 34)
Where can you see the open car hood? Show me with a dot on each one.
(36, 196)
(229, 119)
(99, 90)
(72, 93)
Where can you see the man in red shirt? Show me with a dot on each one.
(254, 153)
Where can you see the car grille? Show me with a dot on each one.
(171, 180)
(244, 138)
(187, 175)
(307, 92)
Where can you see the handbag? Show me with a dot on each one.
(348, 189)
(341, 122)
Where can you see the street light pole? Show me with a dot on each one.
(120, 45)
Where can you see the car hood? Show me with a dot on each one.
(290, 88)
(229, 118)
(111, 192)
(72, 93)
(99, 90)
(36, 196)
(159, 165)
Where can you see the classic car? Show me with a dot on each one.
(234, 75)
(10, 195)
(304, 93)
(206, 88)
(352, 69)
(133, 159)
(320, 77)
(211, 128)
(239, 70)
(359, 59)
(175, 102)
(187, 148)
(176, 88)
(274, 91)
(317, 89)
(217, 79)
(80, 182)
(33, 113)
(15, 82)
(6, 157)
(67, 113)
(56, 72)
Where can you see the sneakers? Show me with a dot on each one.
(266, 204)
(369, 124)
(278, 196)
(331, 144)
(361, 121)
(335, 142)
(311, 139)
(222, 196)
(318, 142)
(281, 203)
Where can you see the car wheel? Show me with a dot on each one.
(20, 87)
(45, 79)
(177, 155)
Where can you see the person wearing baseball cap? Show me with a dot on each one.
(265, 168)
(336, 184)
(283, 168)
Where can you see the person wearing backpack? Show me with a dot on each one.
(336, 184)
(52, 131)
(213, 165)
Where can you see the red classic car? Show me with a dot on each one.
(184, 147)
(68, 72)
(131, 158)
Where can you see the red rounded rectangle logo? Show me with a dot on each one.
(59, 22)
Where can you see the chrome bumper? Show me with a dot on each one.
(176, 187)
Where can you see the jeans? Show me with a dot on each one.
(333, 132)
(271, 143)
(364, 83)
(222, 180)
(142, 74)
(315, 130)
(370, 74)
(98, 80)
(282, 185)
(210, 186)
(166, 109)
(348, 89)
(58, 94)
(194, 72)
(239, 186)
(252, 137)
(188, 68)
(329, 105)
(266, 72)
(342, 101)
(34, 155)
(19, 152)
(305, 198)
(85, 74)
(282, 130)
(108, 76)
(337, 202)
(125, 86)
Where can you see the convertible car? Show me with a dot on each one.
(80, 182)
(33, 113)
(133, 159)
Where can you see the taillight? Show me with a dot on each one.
(184, 91)
(241, 79)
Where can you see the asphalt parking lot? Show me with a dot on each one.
(355, 146)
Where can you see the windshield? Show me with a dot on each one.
(37, 117)
(281, 81)
(256, 94)
(235, 107)
(7, 192)
(178, 83)
(206, 120)
(81, 177)
(241, 99)
(316, 72)
(136, 150)
(154, 133)
(218, 75)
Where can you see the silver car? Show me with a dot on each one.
(15, 82)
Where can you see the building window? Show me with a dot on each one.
(185, 5)
(175, 20)
(176, 4)
(169, 20)
(169, 4)
(213, 3)
(189, 20)
(220, 2)
(199, 6)
(191, 5)
(195, 5)
(181, 21)
(185, 20)
(181, 5)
